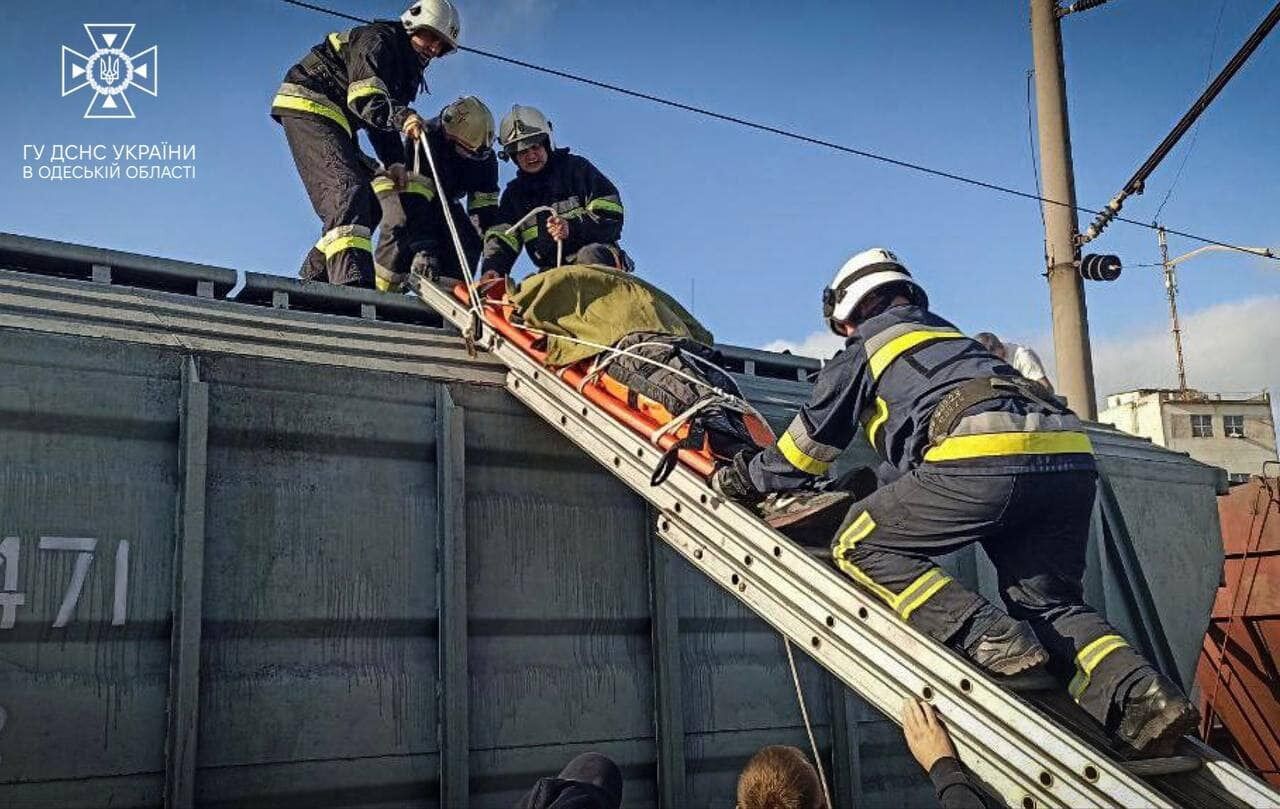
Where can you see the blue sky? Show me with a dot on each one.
(745, 226)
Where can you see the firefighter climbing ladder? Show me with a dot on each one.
(1013, 747)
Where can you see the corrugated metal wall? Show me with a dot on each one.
(270, 558)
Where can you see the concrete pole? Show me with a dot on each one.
(1066, 289)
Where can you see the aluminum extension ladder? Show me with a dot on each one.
(1019, 751)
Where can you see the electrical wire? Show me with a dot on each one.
(785, 133)
(1195, 135)
(1031, 144)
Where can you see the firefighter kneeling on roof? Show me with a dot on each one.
(969, 456)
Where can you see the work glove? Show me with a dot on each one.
(413, 126)
(398, 174)
(733, 481)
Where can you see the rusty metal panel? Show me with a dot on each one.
(1239, 671)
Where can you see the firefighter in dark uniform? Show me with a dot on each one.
(587, 222)
(414, 236)
(364, 78)
(971, 452)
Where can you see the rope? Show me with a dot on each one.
(804, 714)
(559, 244)
(467, 273)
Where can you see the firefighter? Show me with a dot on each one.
(971, 453)
(588, 218)
(364, 78)
(413, 235)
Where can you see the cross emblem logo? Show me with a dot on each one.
(109, 71)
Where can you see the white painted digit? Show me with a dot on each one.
(9, 599)
(83, 547)
(120, 603)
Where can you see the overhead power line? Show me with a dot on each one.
(785, 133)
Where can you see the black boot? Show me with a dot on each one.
(808, 518)
(1009, 647)
(1156, 717)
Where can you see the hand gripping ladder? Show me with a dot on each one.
(1020, 753)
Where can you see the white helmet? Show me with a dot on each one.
(439, 16)
(469, 122)
(858, 277)
(522, 128)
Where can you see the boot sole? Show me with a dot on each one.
(1013, 666)
(1161, 733)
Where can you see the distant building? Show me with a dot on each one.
(1235, 433)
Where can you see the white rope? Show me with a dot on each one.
(467, 272)
(559, 244)
(804, 714)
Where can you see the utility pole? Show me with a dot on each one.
(1066, 288)
(1171, 289)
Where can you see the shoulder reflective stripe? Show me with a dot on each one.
(337, 40)
(366, 87)
(482, 199)
(1088, 658)
(499, 232)
(877, 421)
(904, 343)
(799, 459)
(878, 340)
(1000, 422)
(285, 102)
(603, 204)
(920, 591)
(959, 447)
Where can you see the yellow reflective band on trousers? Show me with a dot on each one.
(877, 421)
(287, 102)
(913, 596)
(347, 243)
(900, 345)
(797, 457)
(604, 205)
(959, 447)
(386, 285)
(421, 188)
(1088, 658)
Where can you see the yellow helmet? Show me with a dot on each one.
(468, 122)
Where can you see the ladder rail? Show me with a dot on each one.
(1010, 745)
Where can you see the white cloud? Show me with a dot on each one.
(820, 345)
(1229, 348)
